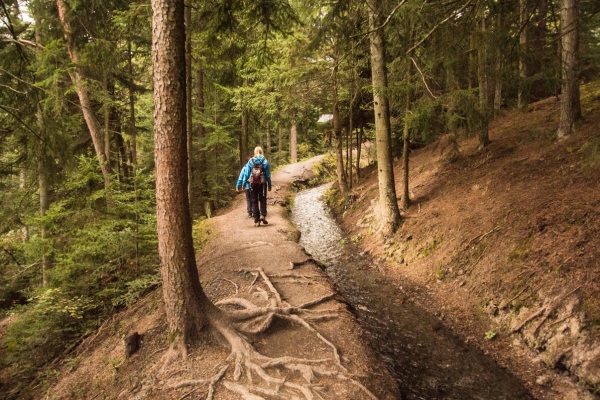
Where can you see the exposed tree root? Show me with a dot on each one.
(255, 376)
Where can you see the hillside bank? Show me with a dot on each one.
(502, 244)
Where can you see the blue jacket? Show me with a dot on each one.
(247, 171)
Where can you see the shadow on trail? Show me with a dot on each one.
(428, 361)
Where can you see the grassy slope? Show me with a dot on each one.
(505, 241)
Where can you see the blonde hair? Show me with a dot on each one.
(258, 151)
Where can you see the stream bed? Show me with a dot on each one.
(427, 360)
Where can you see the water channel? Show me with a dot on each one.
(427, 360)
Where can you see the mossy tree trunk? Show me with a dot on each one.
(388, 213)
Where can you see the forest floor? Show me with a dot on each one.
(315, 351)
(503, 244)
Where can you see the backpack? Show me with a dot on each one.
(257, 175)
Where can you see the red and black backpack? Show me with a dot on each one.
(257, 174)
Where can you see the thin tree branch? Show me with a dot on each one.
(456, 12)
(22, 122)
(387, 21)
(24, 41)
(10, 27)
(423, 79)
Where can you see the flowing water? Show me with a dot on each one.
(427, 361)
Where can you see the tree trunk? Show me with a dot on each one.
(245, 132)
(484, 138)
(570, 107)
(201, 174)
(268, 143)
(522, 96)
(244, 140)
(44, 205)
(185, 302)
(338, 138)
(389, 215)
(473, 60)
(42, 166)
(498, 66)
(349, 142)
(279, 143)
(405, 152)
(82, 92)
(293, 141)
(132, 127)
(359, 136)
(107, 109)
(188, 98)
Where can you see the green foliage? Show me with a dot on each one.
(429, 248)
(203, 233)
(103, 250)
(324, 170)
(489, 335)
(357, 238)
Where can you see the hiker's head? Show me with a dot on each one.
(258, 151)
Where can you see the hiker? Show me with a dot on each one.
(258, 174)
(246, 184)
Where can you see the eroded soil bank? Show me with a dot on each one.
(501, 245)
(427, 360)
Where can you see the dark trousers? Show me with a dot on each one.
(248, 201)
(258, 192)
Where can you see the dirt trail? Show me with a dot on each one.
(229, 269)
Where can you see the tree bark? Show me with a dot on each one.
(200, 102)
(188, 98)
(570, 106)
(389, 214)
(405, 152)
(107, 110)
(338, 138)
(497, 104)
(473, 60)
(42, 165)
(349, 142)
(359, 136)
(293, 142)
(244, 140)
(279, 143)
(522, 95)
(185, 302)
(132, 127)
(484, 138)
(245, 132)
(268, 143)
(84, 99)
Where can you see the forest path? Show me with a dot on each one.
(229, 267)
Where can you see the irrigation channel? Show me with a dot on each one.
(427, 360)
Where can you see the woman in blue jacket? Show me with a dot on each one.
(257, 175)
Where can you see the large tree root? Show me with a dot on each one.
(256, 376)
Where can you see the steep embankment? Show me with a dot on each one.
(503, 244)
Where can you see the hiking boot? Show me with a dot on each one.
(264, 221)
(257, 223)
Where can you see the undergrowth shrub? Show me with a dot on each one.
(103, 250)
